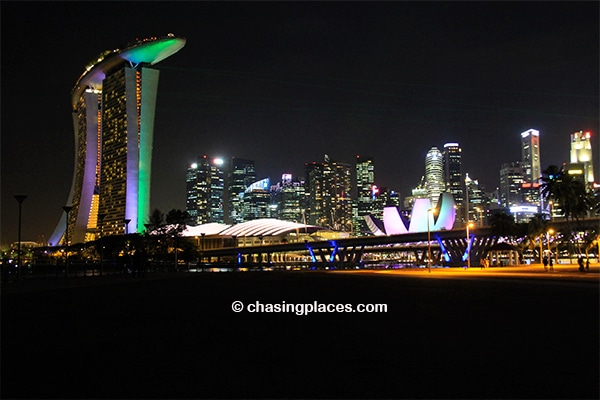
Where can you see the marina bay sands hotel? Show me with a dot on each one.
(113, 104)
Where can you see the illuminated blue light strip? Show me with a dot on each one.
(312, 253)
(468, 249)
(443, 249)
(335, 247)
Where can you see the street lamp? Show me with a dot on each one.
(469, 225)
(101, 217)
(431, 211)
(202, 239)
(20, 198)
(67, 210)
(127, 221)
(550, 232)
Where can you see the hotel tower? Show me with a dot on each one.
(113, 105)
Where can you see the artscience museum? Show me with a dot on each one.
(423, 218)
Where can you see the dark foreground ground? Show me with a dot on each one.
(177, 337)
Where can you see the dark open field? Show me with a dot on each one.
(177, 337)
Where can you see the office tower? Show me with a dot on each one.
(365, 198)
(453, 171)
(530, 156)
(475, 200)
(452, 156)
(511, 181)
(383, 197)
(205, 190)
(328, 186)
(289, 198)
(113, 116)
(241, 175)
(532, 170)
(191, 188)
(256, 201)
(313, 192)
(581, 154)
(434, 175)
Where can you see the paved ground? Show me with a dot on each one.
(498, 333)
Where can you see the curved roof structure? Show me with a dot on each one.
(148, 51)
(267, 227)
(257, 227)
(212, 228)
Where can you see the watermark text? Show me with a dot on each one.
(306, 308)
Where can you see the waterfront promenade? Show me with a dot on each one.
(513, 332)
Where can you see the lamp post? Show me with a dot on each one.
(202, 239)
(67, 210)
(127, 221)
(20, 199)
(430, 211)
(101, 217)
(541, 249)
(469, 225)
(550, 232)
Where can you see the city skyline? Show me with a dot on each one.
(284, 83)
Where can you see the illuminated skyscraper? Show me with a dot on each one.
(328, 190)
(256, 201)
(531, 164)
(241, 175)
(365, 200)
(581, 153)
(113, 116)
(434, 175)
(452, 155)
(530, 156)
(289, 199)
(511, 181)
(205, 191)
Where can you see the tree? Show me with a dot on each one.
(503, 225)
(176, 221)
(166, 229)
(569, 195)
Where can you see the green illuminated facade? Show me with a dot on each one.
(114, 105)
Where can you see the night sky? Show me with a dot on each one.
(285, 83)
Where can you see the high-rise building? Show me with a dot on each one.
(205, 191)
(475, 200)
(328, 187)
(313, 192)
(365, 197)
(113, 116)
(531, 164)
(384, 197)
(530, 156)
(241, 175)
(434, 175)
(289, 199)
(452, 156)
(191, 187)
(581, 153)
(511, 181)
(256, 201)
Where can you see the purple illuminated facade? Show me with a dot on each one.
(113, 105)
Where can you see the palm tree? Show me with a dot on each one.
(536, 227)
(503, 225)
(569, 195)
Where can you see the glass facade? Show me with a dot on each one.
(241, 175)
(434, 175)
